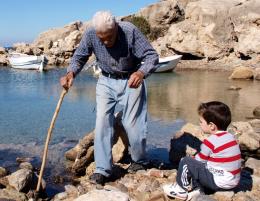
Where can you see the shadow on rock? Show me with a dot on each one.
(183, 145)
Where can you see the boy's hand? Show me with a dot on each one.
(67, 80)
(136, 79)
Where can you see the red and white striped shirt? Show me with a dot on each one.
(222, 154)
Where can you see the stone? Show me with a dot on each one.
(254, 164)
(107, 195)
(3, 172)
(21, 180)
(256, 112)
(242, 73)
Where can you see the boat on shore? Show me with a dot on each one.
(167, 64)
(28, 62)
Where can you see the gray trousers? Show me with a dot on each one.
(193, 174)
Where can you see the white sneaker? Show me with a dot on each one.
(175, 191)
(193, 194)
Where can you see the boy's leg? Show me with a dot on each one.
(193, 174)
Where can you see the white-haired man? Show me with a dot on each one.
(125, 57)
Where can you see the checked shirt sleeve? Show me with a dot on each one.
(81, 54)
(145, 52)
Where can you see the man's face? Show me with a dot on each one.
(108, 37)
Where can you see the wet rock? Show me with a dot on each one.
(21, 180)
(3, 172)
(83, 152)
(234, 88)
(256, 112)
(242, 73)
(26, 165)
(79, 166)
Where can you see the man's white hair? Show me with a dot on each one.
(103, 21)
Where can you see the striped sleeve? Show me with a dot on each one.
(206, 149)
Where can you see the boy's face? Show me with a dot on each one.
(206, 128)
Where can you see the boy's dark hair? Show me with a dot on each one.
(215, 112)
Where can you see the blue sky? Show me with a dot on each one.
(24, 20)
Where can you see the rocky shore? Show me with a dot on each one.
(144, 185)
(211, 35)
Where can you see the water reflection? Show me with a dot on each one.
(174, 96)
(28, 100)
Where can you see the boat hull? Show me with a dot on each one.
(168, 64)
(27, 62)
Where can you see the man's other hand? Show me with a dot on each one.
(136, 79)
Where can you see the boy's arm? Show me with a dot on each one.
(206, 149)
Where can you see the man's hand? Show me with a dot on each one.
(67, 80)
(136, 79)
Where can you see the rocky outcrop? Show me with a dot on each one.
(224, 31)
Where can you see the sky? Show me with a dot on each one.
(24, 20)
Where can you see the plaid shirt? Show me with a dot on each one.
(131, 52)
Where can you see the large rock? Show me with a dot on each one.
(83, 153)
(242, 73)
(163, 13)
(107, 195)
(21, 180)
(56, 34)
(247, 137)
(213, 29)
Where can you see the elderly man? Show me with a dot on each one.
(125, 58)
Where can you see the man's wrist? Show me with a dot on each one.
(70, 74)
(140, 73)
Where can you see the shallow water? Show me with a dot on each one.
(28, 100)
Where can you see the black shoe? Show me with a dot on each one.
(97, 178)
(134, 167)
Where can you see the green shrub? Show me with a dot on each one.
(152, 33)
(155, 33)
(141, 23)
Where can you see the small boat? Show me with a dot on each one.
(29, 62)
(167, 64)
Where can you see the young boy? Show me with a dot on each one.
(217, 165)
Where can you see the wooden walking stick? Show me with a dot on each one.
(63, 93)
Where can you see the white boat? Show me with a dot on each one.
(29, 62)
(167, 64)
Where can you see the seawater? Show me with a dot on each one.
(28, 100)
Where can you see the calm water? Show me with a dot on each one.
(28, 100)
